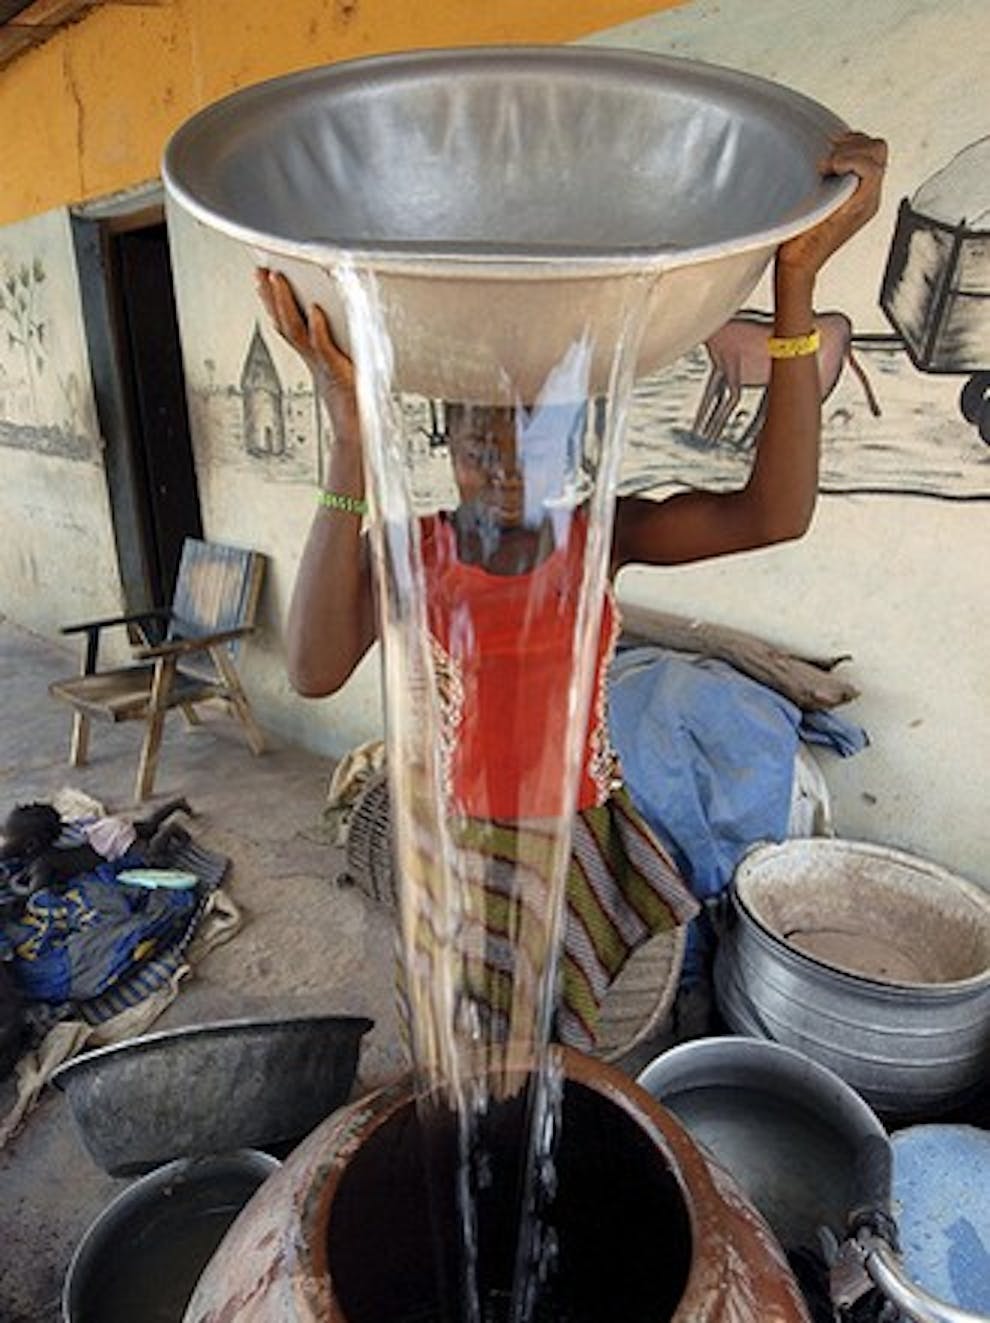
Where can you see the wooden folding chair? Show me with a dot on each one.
(213, 608)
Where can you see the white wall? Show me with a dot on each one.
(897, 580)
(264, 501)
(58, 563)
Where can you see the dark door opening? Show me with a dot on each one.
(128, 301)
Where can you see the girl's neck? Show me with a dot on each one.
(499, 550)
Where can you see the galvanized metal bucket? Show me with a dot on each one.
(872, 961)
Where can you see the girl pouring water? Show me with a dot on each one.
(500, 611)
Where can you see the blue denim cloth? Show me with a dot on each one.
(708, 757)
(75, 943)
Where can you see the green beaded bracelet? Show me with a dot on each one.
(337, 501)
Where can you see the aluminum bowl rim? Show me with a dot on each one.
(854, 1106)
(65, 1073)
(459, 260)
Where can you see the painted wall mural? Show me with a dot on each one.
(58, 562)
(46, 401)
(259, 422)
(271, 424)
(906, 411)
(22, 321)
(936, 289)
(891, 572)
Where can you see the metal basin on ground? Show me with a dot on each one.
(786, 1128)
(505, 197)
(211, 1088)
(142, 1257)
(808, 1152)
(871, 961)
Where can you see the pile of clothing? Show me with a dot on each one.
(73, 944)
(103, 944)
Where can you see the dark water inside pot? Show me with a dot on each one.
(618, 1219)
(496, 1307)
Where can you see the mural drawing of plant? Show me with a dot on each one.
(26, 330)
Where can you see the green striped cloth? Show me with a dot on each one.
(621, 888)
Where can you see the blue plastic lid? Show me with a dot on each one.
(941, 1197)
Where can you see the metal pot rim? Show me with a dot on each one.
(247, 1158)
(67, 1073)
(710, 1196)
(854, 1107)
(894, 989)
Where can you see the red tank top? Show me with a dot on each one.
(503, 648)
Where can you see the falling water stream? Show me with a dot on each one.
(512, 233)
(492, 525)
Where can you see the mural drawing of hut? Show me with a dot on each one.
(262, 400)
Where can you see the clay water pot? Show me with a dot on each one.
(648, 1231)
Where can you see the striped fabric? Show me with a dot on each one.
(147, 979)
(621, 889)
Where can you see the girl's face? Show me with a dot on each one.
(484, 449)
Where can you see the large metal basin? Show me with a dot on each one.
(872, 961)
(507, 198)
(788, 1129)
(210, 1088)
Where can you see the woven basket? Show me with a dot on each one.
(368, 849)
(634, 1006)
(640, 999)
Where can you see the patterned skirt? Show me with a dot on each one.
(492, 951)
(621, 889)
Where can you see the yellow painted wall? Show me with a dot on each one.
(88, 113)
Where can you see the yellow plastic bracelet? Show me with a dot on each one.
(337, 501)
(793, 346)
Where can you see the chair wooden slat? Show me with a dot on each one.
(122, 695)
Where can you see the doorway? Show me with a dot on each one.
(125, 280)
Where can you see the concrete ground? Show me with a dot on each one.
(307, 944)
